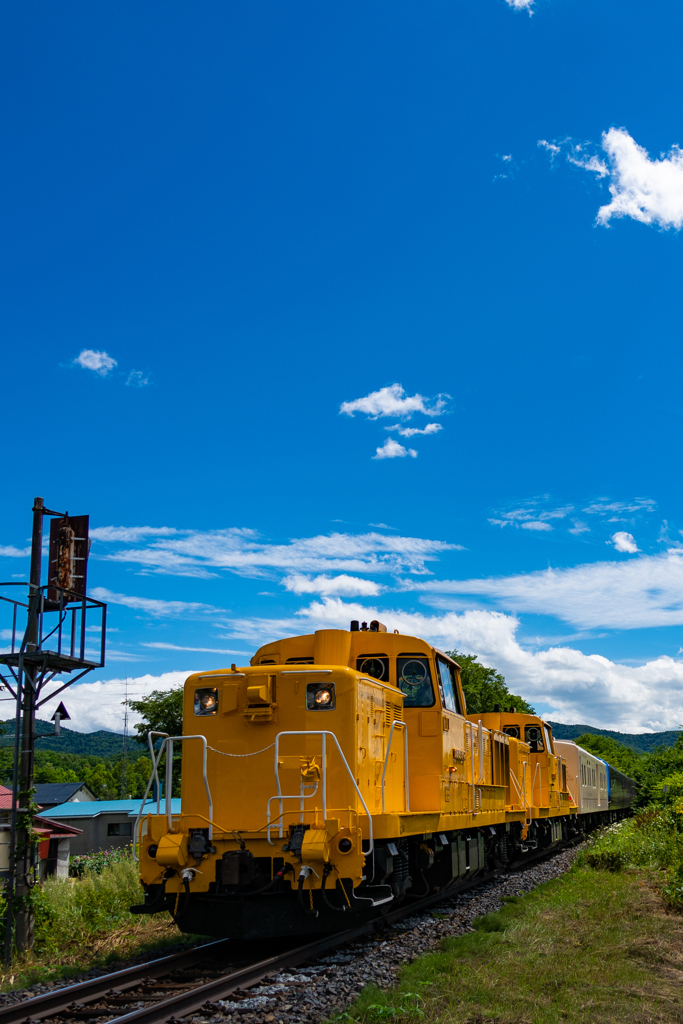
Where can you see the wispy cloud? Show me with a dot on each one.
(645, 189)
(131, 534)
(137, 379)
(393, 450)
(531, 515)
(152, 606)
(393, 401)
(605, 507)
(240, 550)
(340, 586)
(99, 362)
(624, 542)
(431, 428)
(9, 551)
(634, 594)
(198, 650)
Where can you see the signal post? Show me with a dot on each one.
(53, 644)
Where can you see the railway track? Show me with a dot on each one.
(174, 986)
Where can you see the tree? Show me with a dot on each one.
(162, 711)
(484, 687)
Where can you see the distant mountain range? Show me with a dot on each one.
(643, 742)
(100, 743)
(108, 744)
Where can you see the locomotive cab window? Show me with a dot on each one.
(374, 665)
(414, 679)
(533, 735)
(206, 700)
(511, 730)
(448, 686)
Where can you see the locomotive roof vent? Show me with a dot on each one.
(377, 627)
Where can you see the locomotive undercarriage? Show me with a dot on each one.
(253, 897)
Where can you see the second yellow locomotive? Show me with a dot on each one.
(339, 773)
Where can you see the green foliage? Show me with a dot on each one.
(101, 775)
(101, 743)
(616, 754)
(161, 710)
(484, 687)
(653, 839)
(641, 742)
(97, 862)
(67, 912)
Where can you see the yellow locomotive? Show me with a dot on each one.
(339, 773)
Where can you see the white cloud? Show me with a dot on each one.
(650, 191)
(624, 542)
(521, 5)
(579, 527)
(199, 554)
(535, 524)
(99, 362)
(393, 450)
(393, 401)
(341, 586)
(137, 379)
(431, 428)
(200, 650)
(150, 605)
(645, 189)
(580, 688)
(634, 594)
(8, 551)
(99, 705)
(131, 534)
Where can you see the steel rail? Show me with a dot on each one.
(52, 1003)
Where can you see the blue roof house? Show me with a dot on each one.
(105, 824)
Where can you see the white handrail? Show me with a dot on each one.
(386, 760)
(323, 733)
(169, 780)
(154, 775)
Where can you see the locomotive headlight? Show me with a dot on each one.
(320, 697)
(206, 701)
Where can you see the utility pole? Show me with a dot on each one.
(24, 916)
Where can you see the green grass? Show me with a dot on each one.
(594, 947)
(654, 839)
(85, 922)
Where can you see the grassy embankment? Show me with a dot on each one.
(602, 944)
(85, 922)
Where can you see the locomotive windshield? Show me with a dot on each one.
(415, 681)
(449, 689)
(533, 735)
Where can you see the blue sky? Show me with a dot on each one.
(357, 310)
